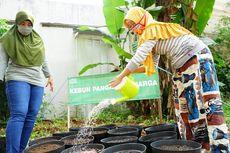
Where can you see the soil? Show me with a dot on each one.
(121, 140)
(176, 148)
(45, 148)
(74, 142)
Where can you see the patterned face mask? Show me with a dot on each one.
(25, 30)
(138, 27)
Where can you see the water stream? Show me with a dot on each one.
(84, 135)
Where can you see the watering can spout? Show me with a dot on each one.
(127, 88)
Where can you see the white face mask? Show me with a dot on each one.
(25, 30)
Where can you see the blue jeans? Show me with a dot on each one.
(24, 102)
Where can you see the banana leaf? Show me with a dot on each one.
(90, 66)
(86, 28)
(203, 10)
(154, 11)
(119, 50)
(113, 17)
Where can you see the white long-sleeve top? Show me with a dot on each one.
(178, 50)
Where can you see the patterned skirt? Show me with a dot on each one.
(198, 104)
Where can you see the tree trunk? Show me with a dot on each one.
(165, 79)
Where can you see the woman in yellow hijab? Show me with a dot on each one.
(198, 105)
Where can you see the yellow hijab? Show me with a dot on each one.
(153, 31)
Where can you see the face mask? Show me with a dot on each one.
(138, 29)
(25, 30)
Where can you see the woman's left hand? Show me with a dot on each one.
(50, 83)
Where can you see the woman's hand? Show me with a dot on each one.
(50, 83)
(113, 83)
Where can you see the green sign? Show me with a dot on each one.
(94, 88)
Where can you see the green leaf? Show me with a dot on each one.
(177, 17)
(154, 11)
(203, 10)
(3, 26)
(119, 50)
(147, 3)
(90, 66)
(86, 28)
(122, 9)
(221, 84)
(113, 17)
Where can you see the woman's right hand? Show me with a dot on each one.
(117, 80)
(113, 83)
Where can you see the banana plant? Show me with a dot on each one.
(192, 14)
(4, 112)
(122, 54)
(188, 13)
(114, 22)
(114, 15)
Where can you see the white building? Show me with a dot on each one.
(66, 52)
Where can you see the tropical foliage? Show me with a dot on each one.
(185, 12)
(221, 53)
(4, 113)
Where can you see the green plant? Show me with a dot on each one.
(4, 112)
(47, 128)
(221, 53)
(226, 107)
(114, 16)
(3, 26)
(186, 12)
(46, 107)
(115, 113)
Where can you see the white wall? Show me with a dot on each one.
(51, 11)
(64, 59)
(91, 49)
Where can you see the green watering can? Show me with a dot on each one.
(127, 88)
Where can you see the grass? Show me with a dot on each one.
(226, 108)
(117, 115)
